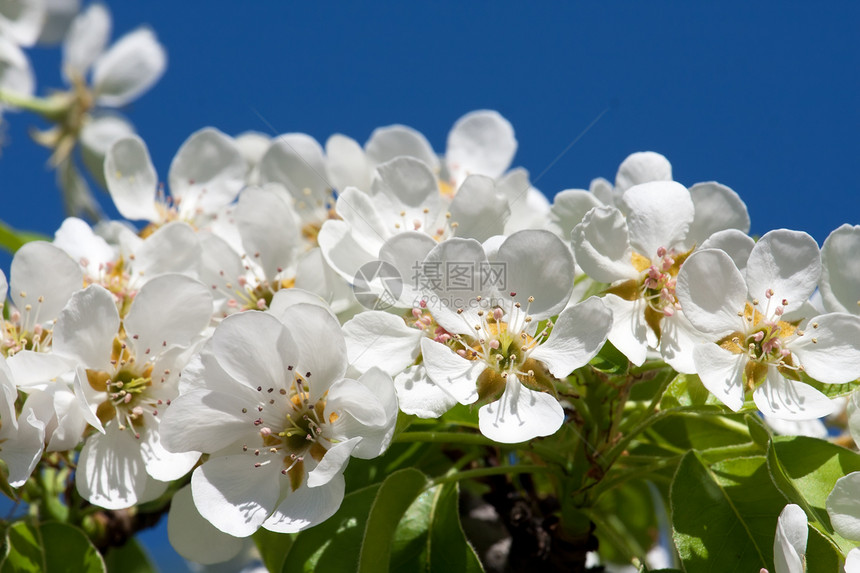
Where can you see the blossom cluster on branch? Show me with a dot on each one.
(276, 308)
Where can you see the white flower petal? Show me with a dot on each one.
(830, 348)
(238, 337)
(602, 247)
(172, 248)
(479, 209)
(169, 310)
(97, 136)
(285, 298)
(376, 338)
(569, 208)
(386, 143)
(269, 228)
(160, 463)
(110, 470)
(347, 166)
(317, 337)
(537, 264)
(21, 20)
(419, 396)
(789, 544)
(455, 274)
(678, 337)
(712, 291)
(207, 172)
(451, 372)
(736, 244)
(481, 142)
(577, 336)
(787, 262)
(86, 39)
(307, 506)
(402, 189)
(722, 373)
(86, 328)
(44, 278)
(406, 251)
(659, 214)
(840, 273)
(843, 506)
(520, 415)
(206, 421)
(23, 449)
(333, 463)
(717, 208)
(234, 495)
(131, 179)
(344, 251)
(852, 561)
(77, 239)
(642, 167)
(790, 400)
(195, 538)
(630, 333)
(16, 73)
(131, 66)
(31, 368)
(296, 161)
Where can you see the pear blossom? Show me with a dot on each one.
(270, 405)
(480, 143)
(490, 349)
(123, 262)
(127, 374)
(716, 206)
(403, 216)
(753, 348)
(206, 175)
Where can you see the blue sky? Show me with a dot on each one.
(765, 99)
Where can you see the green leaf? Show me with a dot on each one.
(610, 360)
(702, 432)
(332, 545)
(130, 558)
(50, 548)
(821, 553)
(831, 390)
(724, 518)
(394, 497)
(273, 547)
(13, 239)
(430, 536)
(805, 471)
(687, 390)
(758, 431)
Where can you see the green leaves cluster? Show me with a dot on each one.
(402, 524)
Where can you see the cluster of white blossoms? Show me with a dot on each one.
(265, 315)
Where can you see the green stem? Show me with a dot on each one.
(493, 471)
(50, 107)
(612, 453)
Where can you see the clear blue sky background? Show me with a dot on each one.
(765, 99)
